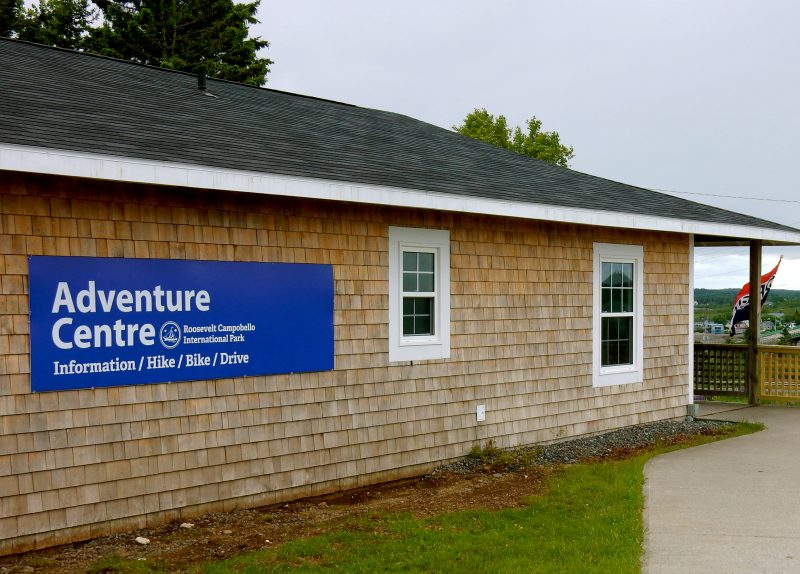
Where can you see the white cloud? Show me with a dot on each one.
(723, 267)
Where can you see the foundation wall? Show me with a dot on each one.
(75, 464)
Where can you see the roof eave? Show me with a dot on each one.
(135, 170)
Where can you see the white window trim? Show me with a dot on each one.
(618, 374)
(690, 362)
(419, 348)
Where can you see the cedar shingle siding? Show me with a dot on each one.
(74, 464)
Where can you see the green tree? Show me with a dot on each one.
(547, 146)
(721, 318)
(62, 23)
(184, 35)
(10, 11)
(187, 35)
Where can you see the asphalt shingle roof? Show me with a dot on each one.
(60, 99)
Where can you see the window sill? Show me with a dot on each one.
(421, 351)
(617, 376)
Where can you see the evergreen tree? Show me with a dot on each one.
(188, 35)
(10, 11)
(184, 35)
(62, 23)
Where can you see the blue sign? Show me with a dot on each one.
(98, 322)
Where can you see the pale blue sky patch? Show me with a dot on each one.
(693, 97)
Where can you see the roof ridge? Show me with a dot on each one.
(169, 70)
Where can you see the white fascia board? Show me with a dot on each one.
(133, 170)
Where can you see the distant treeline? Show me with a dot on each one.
(716, 304)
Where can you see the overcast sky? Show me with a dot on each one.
(692, 96)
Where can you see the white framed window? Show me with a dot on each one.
(419, 294)
(618, 314)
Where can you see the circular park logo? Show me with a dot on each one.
(170, 335)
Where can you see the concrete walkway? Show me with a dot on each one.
(731, 506)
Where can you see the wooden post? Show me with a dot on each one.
(754, 372)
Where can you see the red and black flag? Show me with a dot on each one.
(741, 305)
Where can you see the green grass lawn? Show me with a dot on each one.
(588, 519)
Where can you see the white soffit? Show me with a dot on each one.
(133, 170)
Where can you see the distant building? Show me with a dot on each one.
(707, 326)
(765, 326)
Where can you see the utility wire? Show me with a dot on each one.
(728, 196)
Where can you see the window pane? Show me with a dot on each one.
(617, 281)
(606, 274)
(426, 282)
(410, 282)
(426, 262)
(422, 325)
(616, 300)
(605, 353)
(408, 306)
(617, 341)
(606, 301)
(409, 261)
(417, 316)
(623, 328)
(422, 306)
(625, 356)
(418, 272)
(613, 352)
(627, 300)
(627, 274)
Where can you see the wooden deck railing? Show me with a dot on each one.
(780, 373)
(720, 370)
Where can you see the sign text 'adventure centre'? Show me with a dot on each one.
(98, 322)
